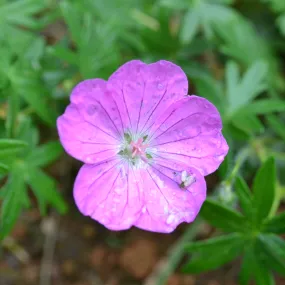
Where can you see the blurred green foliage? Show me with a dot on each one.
(231, 50)
(252, 233)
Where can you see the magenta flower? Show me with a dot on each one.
(146, 146)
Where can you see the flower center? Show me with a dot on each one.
(135, 149)
(138, 148)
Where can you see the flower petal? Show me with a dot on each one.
(91, 127)
(109, 193)
(190, 132)
(144, 91)
(166, 203)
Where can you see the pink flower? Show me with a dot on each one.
(146, 146)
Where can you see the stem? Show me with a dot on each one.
(241, 158)
(170, 262)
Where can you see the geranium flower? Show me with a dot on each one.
(146, 147)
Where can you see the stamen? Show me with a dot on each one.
(135, 150)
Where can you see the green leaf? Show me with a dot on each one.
(276, 224)
(212, 14)
(216, 243)
(235, 133)
(222, 217)
(264, 106)
(253, 267)
(232, 80)
(264, 190)
(13, 109)
(213, 253)
(20, 40)
(44, 154)
(180, 4)
(35, 51)
(3, 168)
(209, 88)
(27, 132)
(96, 53)
(244, 196)
(64, 54)
(44, 188)
(35, 96)
(190, 26)
(277, 126)
(248, 123)
(72, 18)
(281, 23)
(274, 249)
(246, 266)
(251, 85)
(247, 49)
(13, 202)
(20, 12)
(11, 146)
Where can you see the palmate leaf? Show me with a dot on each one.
(190, 25)
(13, 109)
(223, 217)
(44, 154)
(11, 145)
(45, 190)
(277, 125)
(209, 88)
(244, 196)
(281, 23)
(264, 191)
(275, 225)
(213, 253)
(24, 170)
(245, 118)
(14, 15)
(103, 55)
(178, 5)
(249, 123)
(273, 252)
(278, 6)
(264, 106)
(20, 12)
(204, 14)
(253, 268)
(27, 132)
(242, 91)
(16, 39)
(96, 52)
(14, 198)
(3, 168)
(29, 85)
(9, 149)
(241, 42)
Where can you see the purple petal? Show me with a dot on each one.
(166, 204)
(109, 193)
(91, 127)
(190, 132)
(144, 91)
